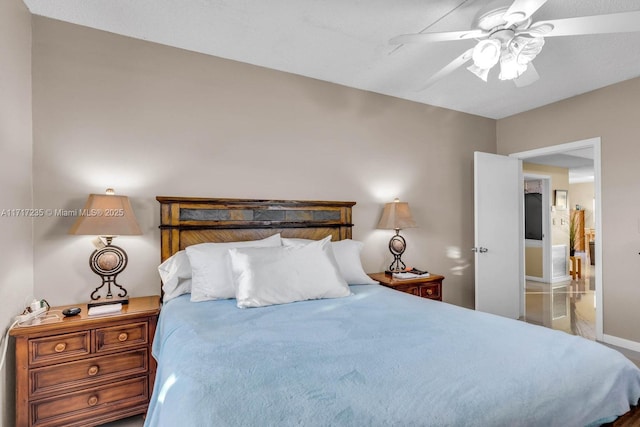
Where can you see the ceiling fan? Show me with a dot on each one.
(508, 35)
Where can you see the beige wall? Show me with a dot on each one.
(612, 114)
(533, 266)
(16, 244)
(152, 120)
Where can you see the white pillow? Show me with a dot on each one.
(267, 276)
(294, 241)
(183, 287)
(347, 255)
(175, 273)
(211, 268)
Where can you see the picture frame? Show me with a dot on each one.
(560, 199)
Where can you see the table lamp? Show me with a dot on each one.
(396, 216)
(107, 216)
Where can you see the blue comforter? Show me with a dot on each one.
(377, 358)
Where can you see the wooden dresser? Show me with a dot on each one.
(426, 287)
(86, 370)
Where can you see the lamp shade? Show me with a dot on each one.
(396, 216)
(486, 53)
(106, 215)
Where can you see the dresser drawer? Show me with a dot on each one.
(118, 337)
(59, 411)
(66, 376)
(59, 347)
(430, 291)
(409, 289)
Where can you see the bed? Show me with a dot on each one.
(371, 357)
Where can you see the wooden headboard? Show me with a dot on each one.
(186, 221)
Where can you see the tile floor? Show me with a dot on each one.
(568, 306)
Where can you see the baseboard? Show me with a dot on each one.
(621, 342)
(560, 279)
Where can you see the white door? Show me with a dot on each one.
(499, 251)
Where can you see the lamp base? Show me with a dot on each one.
(397, 246)
(397, 266)
(108, 262)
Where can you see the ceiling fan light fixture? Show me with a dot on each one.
(486, 54)
(510, 68)
(525, 49)
(482, 73)
(509, 34)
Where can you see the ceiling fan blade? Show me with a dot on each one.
(438, 37)
(449, 68)
(521, 10)
(624, 22)
(528, 77)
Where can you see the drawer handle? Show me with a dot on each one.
(93, 370)
(429, 291)
(123, 336)
(93, 401)
(60, 347)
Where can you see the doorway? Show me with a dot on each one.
(537, 231)
(558, 153)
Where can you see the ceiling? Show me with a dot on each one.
(579, 162)
(346, 42)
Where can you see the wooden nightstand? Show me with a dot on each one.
(86, 370)
(426, 287)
